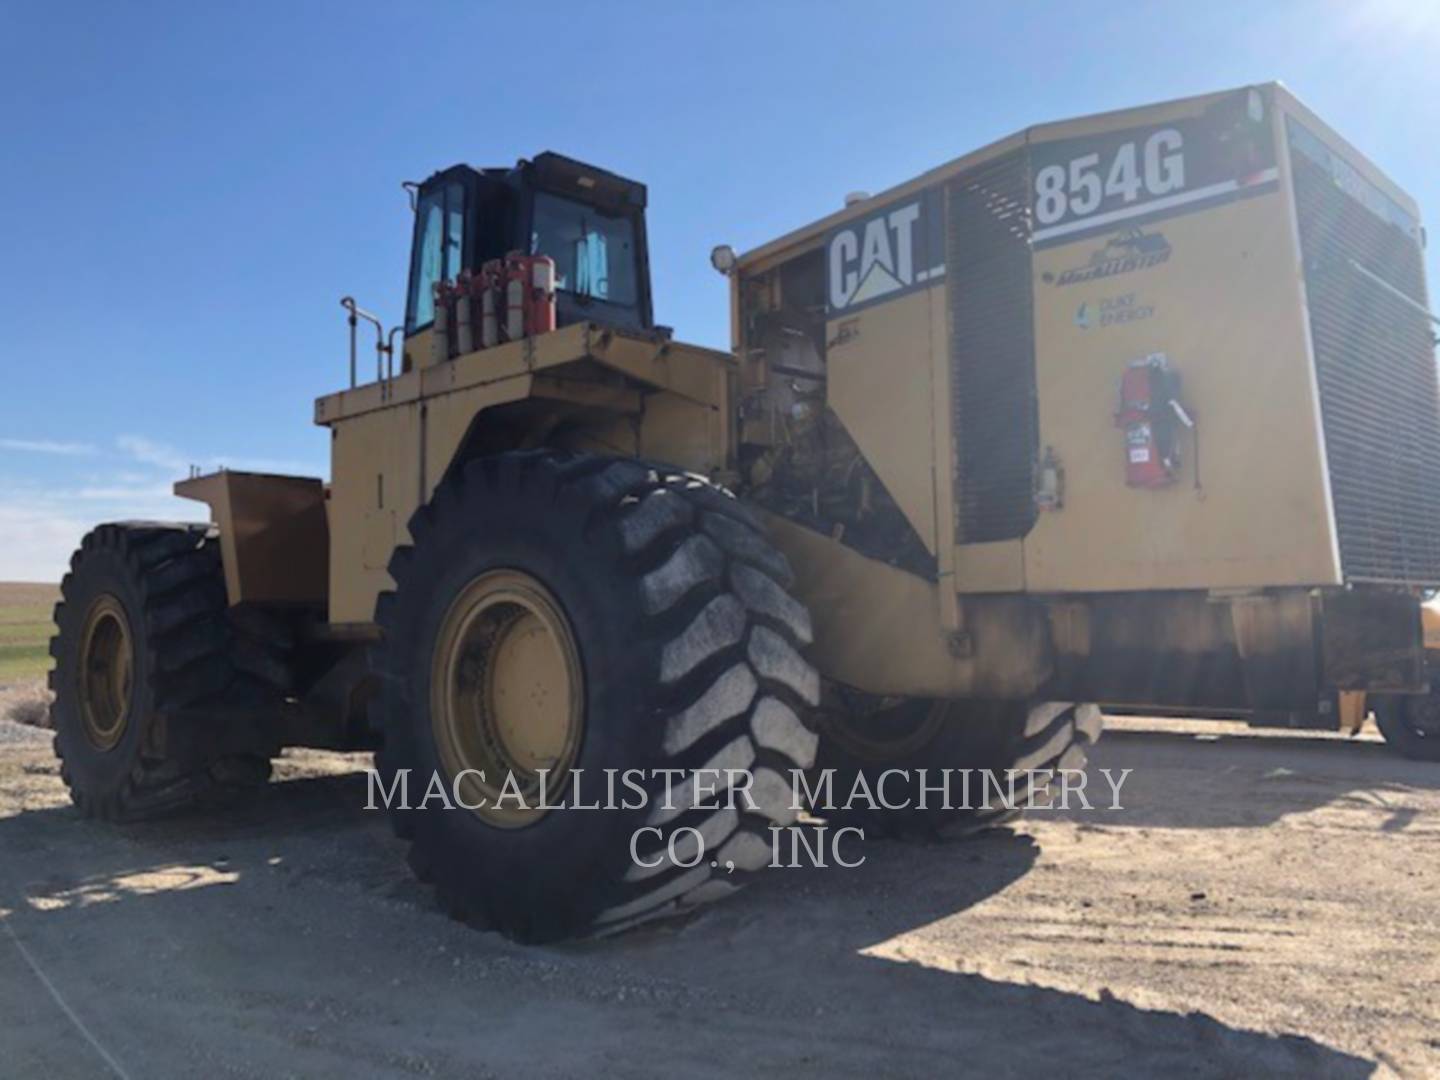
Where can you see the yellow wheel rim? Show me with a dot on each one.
(107, 665)
(506, 697)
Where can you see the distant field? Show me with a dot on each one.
(25, 630)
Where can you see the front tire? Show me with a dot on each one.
(570, 614)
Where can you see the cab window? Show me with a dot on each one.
(438, 252)
(594, 252)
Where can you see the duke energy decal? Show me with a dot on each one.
(886, 253)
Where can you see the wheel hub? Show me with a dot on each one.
(106, 672)
(887, 733)
(507, 696)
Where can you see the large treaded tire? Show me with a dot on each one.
(994, 736)
(1410, 724)
(690, 651)
(202, 690)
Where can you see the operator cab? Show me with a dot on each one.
(591, 222)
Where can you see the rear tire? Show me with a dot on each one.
(161, 700)
(1411, 724)
(922, 734)
(658, 633)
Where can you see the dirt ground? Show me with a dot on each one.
(1264, 905)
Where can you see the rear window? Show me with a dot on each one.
(594, 252)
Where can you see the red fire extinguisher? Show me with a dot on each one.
(517, 285)
(491, 277)
(540, 297)
(1149, 410)
(464, 313)
(441, 347)
(508, 299)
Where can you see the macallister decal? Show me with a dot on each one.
(1126, 251)
(886, 253)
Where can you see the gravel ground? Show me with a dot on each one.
(1262, 906)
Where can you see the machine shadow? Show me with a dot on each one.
(60, 861)
(833, 937)
(815, 945)
(1200, 780)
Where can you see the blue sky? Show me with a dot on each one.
(187, 189)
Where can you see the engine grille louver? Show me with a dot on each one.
(1375, 365)
(992, 349)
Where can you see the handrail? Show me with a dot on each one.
(390, 350)
(384, 349)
